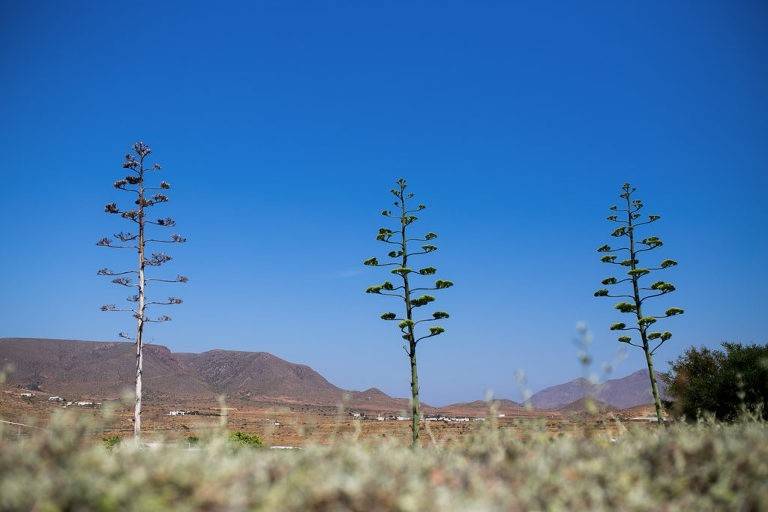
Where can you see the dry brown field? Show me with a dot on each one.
(288, 424)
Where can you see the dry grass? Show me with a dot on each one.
(683, 467)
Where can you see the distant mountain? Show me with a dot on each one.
(376, 399)
(580, 406)
(629, 391)
(87, 369)
(103, 370)
(481, 408)
(260, 376)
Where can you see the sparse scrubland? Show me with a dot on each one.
(704, 466)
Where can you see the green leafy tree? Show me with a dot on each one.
(629, 219)
(726, 383)
(413, 330)
(144, 197)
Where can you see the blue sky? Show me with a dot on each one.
(282, 127)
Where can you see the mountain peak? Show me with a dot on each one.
(624, 392)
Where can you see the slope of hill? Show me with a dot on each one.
(374, 398)
(480, 408)
(634, 389)
(580, 406)
(104, 370)
(259, 375)
(90, 369)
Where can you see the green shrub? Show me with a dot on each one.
(111, 441)
(725, 383)
(245, 439)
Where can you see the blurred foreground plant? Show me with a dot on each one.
(703, 467)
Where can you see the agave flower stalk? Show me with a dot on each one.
(412, 330)
(145, 197)
(629, 220)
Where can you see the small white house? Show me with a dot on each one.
(650, 419)
(177, 413)
(379, 418)
(84, 404)
(26, 395)
(55, 399)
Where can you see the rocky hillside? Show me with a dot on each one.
(104, 370)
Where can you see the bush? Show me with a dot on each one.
(245, 439)
(702, 467)
(725, 383)
(111, 441)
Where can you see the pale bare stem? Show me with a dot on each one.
(134, 182)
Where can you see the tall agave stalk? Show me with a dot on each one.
(145, 197)
(629, 218)
(400, 258)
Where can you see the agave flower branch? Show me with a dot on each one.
(399, 259)
(650, 340)
(134, 183)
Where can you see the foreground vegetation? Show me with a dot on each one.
(706, 466)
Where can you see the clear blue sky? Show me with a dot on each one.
(282, 127)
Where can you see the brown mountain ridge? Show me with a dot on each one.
(621, 393)
(104, 370)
